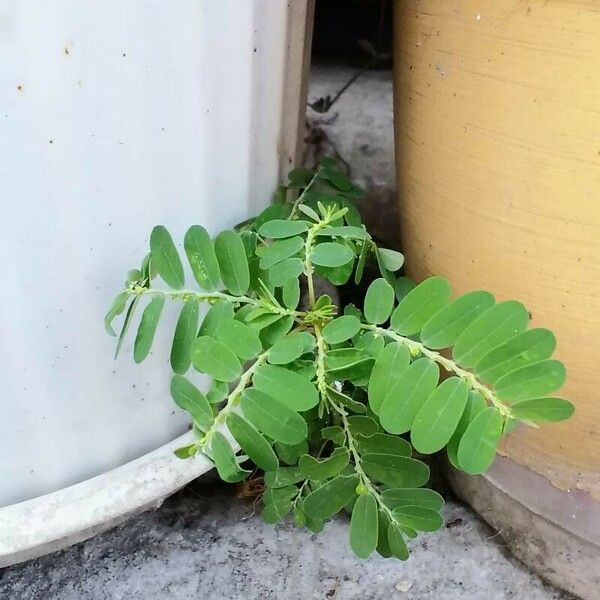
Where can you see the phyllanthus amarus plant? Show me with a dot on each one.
(332, 401)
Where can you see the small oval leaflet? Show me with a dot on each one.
(443, 329)
(313, 468)
(224, 459)
(532, 381)
(491, 328)
(147, 328)
(419, 518)
(387, 370)
(280, 250)
(543, 409)
(381, 443)
(280, 228)
(392, 260)
(241, 338)
(294, 390)
(331, 497)
(439, 416)
(233, 263)
(341, 329)
(349, 231)
(379, 301)
(290, 347)
(477, 447)
(221, 311)
(165, 258)
(364, 526)
(188, 397)
(252, 442)
(529, 347)
(396, 542)
(475, 404)
(213, 358)
(283, 271)
(394, 497)
(397, 471)
(291, 293)
(202, 258)
(420, 304)
(272, 417)
(407, 395)
(185, 334)
(331, 254)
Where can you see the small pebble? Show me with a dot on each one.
(404, 585)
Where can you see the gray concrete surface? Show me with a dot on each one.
(206, 543)
(359, 128)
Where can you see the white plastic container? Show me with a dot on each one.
(114, 117)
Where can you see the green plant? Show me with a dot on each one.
(320, 400)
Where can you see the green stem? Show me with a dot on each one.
(416, 348)
(308, 248)
(363, 477)
(233, 399)
(186, 295)
(321, 368)
(300, 198)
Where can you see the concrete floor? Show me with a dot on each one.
(204, 542)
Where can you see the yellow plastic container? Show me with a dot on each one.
(497, 108)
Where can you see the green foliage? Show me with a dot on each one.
(324, 398)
